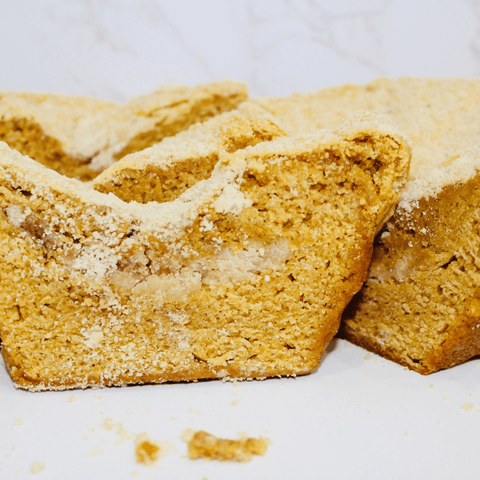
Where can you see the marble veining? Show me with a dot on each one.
(119, 48)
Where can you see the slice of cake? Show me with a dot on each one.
(163, 172)
(420, 306)
(81, 136)
(421, 303)
(245, 275)
(146, 120)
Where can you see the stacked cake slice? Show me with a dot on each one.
(420, 305)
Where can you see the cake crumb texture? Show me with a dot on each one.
(207, 446)
(420, 305)
(163, 172)
(437, 115)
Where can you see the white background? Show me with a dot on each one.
(358, 416)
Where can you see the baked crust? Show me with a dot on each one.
(438, 115)
(245, 275)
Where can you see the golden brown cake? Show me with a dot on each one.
(245, 275)
(163, 172)
(81, 136)
(420, 306)
(63, 132)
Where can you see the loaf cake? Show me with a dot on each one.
(420, 305)
(244, 275)
(163, 172)
(81, 136)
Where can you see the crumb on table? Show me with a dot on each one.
(146, 452)
(205, 445)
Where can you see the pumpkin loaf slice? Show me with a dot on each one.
(163, 172)
(147, 119)
(419, 306)
(81, 136)
(245, 275)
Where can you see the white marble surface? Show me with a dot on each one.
(119, 48)
(358, 417)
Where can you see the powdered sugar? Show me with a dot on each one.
(93, 339)
(95, 261)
